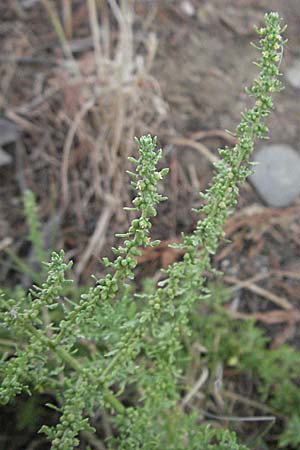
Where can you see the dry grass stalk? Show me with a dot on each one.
(67, 18)
(94, 23)
(112, 98)
(84, 111)
(49, 7)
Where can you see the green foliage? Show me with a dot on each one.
(244, 347)
(174, 432)
(35, 237)
(291, 436)
(29, 413)
(136, 337)
(34, 226)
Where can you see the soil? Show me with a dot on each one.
(202, 64)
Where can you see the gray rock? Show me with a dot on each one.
(277, 176)
(5, 158)
(293, 74)
(9, 132)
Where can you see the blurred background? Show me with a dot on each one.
(80, 78)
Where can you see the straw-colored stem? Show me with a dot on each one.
(58, 28)
(67, 18)
(94, 24)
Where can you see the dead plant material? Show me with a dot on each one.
(287, 334)
(201, 148)
(287, 274)
(199, 135)
(53, 15)
(280, 301)
(271, 317)
(196, 388)
(91, 101)
(119, 99)
(255, 225)
(250, 402)
(240, 284)
(68, 145)
(274, 317)
(67, 18)
(162, 252)
(96, 241)
(4, 243)
(257, 214)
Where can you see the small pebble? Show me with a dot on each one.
(188, 8)
(277, 175)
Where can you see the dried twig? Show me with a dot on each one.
(94, 24)
(198, 135)
(97, 239)
(197, 386)
(68, 145)
(67, 18)
(49, 7)
(280, 301)
(201, 148)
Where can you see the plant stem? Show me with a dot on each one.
(74, 364)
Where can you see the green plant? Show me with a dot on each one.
(244, 348)
(35, 238)
(136, 336)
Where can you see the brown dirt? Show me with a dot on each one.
(203, 65)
